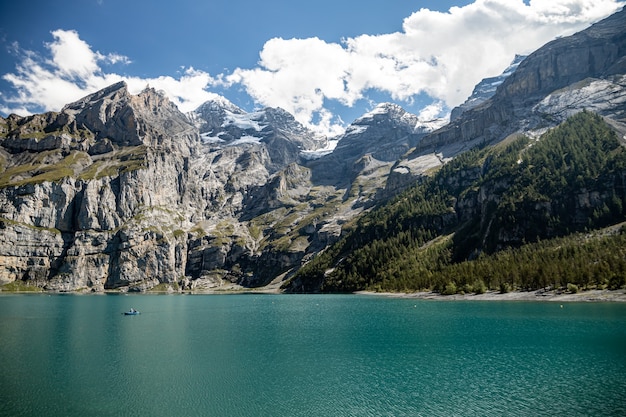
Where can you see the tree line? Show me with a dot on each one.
(496, 217)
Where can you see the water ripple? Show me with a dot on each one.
(295, 356)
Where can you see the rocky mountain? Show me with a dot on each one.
(222, 124)
(118, 191)
(492, 197)
(497, 218)
(381, 136)
(124, 192)
(93, 196)
(485, 89)
(584, 71)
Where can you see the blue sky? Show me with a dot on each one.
(327, 62)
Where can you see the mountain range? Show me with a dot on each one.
(124, 192)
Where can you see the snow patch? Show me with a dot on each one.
(401, 170)
(243, 121)
(207, 138)
(430, 125)
(355, 130)
(318, 153)
(382, 108)
(244, 140)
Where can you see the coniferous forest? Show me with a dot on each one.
(525, 214)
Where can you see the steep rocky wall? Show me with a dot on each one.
(102, 233)
(118, 192)
(124, 192)
(107, 219)
(597, 52)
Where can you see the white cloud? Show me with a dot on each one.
(74, 70)
(431, 112)
(188, 92)
(441, 54)
(71, 56)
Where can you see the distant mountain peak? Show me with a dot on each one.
(112, 92)
(219, 103)
(381, 110)
(486, 88)
(388, 115)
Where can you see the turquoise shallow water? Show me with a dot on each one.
(308, 355)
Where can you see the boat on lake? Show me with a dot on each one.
(131, 312)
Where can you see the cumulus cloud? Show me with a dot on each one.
(440, 54)
(74, 70)
(431, 111)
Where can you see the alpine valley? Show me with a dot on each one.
(124, 192)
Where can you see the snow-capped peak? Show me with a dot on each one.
(380, 109)
(219, 103)
(486, 88)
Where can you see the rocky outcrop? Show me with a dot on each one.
(534, 94)
(386, 133)
(598, 52)
(123, 192)
(109, 219)
(603, 96)
(485, 89)
(278, 134)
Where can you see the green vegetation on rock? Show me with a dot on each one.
(19, 286)
(165, 287)
(122, 161)
(54, 165)
(498, 217)
(29, 226)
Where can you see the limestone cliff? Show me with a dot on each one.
(592, 55)
(124, 192)
(95, 196)
(585, 71)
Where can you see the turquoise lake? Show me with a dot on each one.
(308, 355)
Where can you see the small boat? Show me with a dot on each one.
(131, 312)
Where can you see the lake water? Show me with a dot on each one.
(308, 355)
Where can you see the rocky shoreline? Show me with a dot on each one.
(541, 295)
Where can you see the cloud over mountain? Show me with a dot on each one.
(72, 69)
(439, 54)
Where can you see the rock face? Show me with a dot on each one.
(485, 89)
(81, 214)
(596, 53)
(98, 195)
(386, 134)
(222, 124)
(124, 192)
(585, 71)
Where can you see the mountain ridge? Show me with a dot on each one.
(485, 89)
(596, 52)
(123, 192)
(469, 226)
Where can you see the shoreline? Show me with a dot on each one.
(541, 296)
(536, 296)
